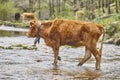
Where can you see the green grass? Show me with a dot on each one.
(109, 20)
(112, 25)
(15, 24)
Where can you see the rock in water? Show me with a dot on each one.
(117, 42)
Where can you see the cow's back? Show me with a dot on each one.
(74, 33)
(68, 32)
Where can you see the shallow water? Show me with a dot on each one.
(21, 64)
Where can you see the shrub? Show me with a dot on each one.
(7, 11)
(113, 28)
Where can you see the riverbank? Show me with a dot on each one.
(15, 24)
(112, 30)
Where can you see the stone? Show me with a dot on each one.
(117, 41)
(109, 41)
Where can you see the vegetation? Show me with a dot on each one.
(50, 9)
(15, 24)
(7, 10)
(19, 46)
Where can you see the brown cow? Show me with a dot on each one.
(70, 32)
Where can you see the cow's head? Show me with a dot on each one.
(33, 28)
(44, 28)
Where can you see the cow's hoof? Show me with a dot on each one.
(34, 45)
(55, 64)
(59, 58)
(38, 60)
(79, 64)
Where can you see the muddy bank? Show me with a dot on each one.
(20, 64)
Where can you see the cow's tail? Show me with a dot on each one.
(102, 41)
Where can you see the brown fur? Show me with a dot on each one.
(74, 33)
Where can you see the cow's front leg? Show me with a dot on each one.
(86, 57)
(56, 52)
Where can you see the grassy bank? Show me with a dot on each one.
(111, 24)
(15, 24)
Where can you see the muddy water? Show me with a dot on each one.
(21, 64)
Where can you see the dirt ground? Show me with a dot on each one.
(21, 64)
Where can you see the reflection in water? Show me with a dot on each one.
(11, 33)
(86, 74)
(57, 73)
(55, 70)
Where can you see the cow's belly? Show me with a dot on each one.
(75, 43)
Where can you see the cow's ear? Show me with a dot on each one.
(86, 28)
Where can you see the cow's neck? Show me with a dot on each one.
(43, 33)
(44, 30)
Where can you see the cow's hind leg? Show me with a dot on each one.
(86, 57)
(97, 57)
